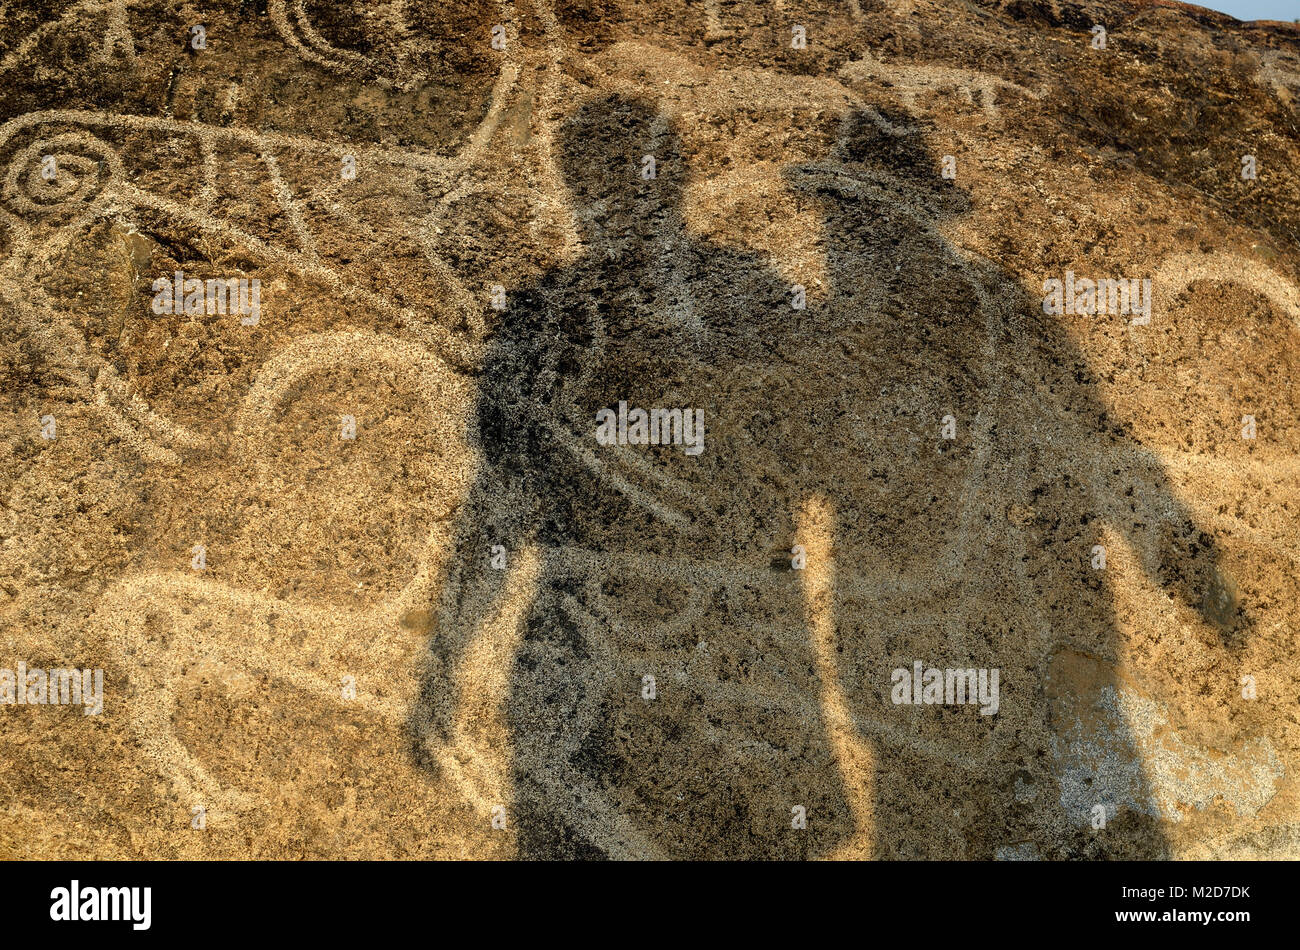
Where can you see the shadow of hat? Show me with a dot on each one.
(876, 159)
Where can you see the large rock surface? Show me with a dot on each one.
(432, 602)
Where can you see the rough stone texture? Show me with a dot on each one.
(522, 689)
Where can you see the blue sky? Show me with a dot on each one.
(1255, 9)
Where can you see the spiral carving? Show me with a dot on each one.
(68, 171)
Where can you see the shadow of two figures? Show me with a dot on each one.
(676, 688)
